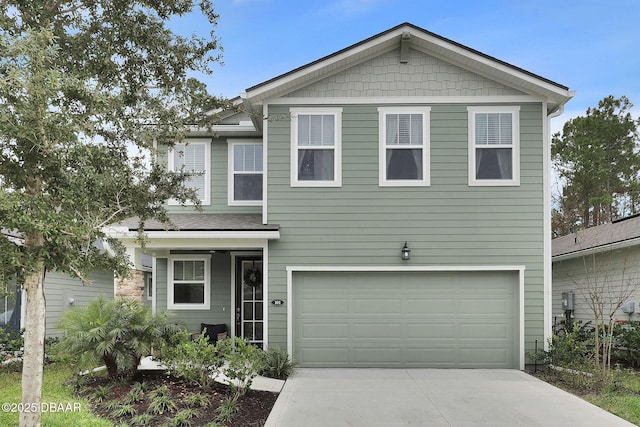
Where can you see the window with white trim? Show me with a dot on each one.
(193, 157)
(404, 146)
(494, 146)
(188, 283)
(316, 156)
(245, 178)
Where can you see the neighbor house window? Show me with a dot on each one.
(188, 282)
(245, 178)
(404, 146)
(316, 147)
(194, 158)
(494, 146)
(149, 286)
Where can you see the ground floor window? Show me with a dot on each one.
(189, 283)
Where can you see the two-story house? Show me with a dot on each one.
(386, 205)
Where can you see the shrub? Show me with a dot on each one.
(244, 362)
(277, 363)
(571, 347)
(117, 332)
(196, 361)
(627, 341)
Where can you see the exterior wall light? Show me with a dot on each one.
(405, 252)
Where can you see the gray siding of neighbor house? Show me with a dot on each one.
(447, 223)
(220, 311)
(60, 288)
(219, 180)
(614, 272)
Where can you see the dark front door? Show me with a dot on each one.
(249, 299)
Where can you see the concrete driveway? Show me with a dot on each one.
(429, 397)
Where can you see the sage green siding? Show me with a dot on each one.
(60, 288)
(615, 273)
(219, 179)
(447, 223)
(220, 310)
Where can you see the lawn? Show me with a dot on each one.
(62, 408)
(619, 393)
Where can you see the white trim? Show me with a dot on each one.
(266, 234)
(154, 285)
(265, 145)
(515, 146)
(406, 100)
(547, 246)
(337, 147)
(148, 286)
(428, 268)
(425, 146)
(206, 305)
(231, 171)
(207, 175)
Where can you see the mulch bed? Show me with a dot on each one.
(253, 407)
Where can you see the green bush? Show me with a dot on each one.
(196, 361)
(244, 362)
(277, 363)
(572, 347)
(117, 332)
(627, 343)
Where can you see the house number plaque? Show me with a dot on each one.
(277, 302)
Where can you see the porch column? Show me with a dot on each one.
(131, 286)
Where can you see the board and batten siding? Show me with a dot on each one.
(220, 310)
(447, 223)
(615, 271)
(60, 288)
(219, 179)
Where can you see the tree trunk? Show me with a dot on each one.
(33, 347)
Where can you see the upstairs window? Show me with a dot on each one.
(194, 158)
(316, 147)
(404, 146)
(494, 146)
(245, 178)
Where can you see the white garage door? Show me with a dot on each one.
(406, 319)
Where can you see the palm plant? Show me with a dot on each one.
(117, 332)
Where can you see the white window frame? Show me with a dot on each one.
(515, 146)
(207, 175)
(337, 153)
(206, 305)
(426, 147)
(231, 181)
(149, 286)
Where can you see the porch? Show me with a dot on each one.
(209, 270)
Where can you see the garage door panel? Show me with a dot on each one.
(324, 330)
(378, 306)
(409, 319)
(324, 306)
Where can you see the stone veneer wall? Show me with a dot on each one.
(131, 286)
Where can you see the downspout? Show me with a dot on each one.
(548, 266)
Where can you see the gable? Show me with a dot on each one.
(406, 40)
(420, 75)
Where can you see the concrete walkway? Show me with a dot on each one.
(429, 397)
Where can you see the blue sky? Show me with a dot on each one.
(593, 47)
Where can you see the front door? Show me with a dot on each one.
(249, 299)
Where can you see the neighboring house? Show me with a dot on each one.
(61, 292)
(606, 257)
(386, 205)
